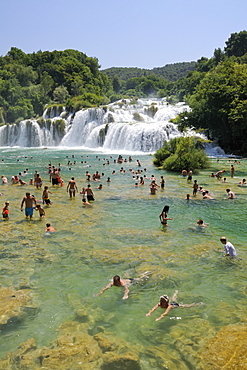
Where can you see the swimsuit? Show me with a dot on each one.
(5, 213)
(54, 181)
(47, 200)
(90, 197)
(174, 304)
(29, 211)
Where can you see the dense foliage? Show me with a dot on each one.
(170, 72)
(217, 93)
(156, 82)
(30, 81)
(183, 153)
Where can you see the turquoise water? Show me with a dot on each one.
(121, 234)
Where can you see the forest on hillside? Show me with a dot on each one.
(170, 72)
(215, 88)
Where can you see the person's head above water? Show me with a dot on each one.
(164, 298)
(200, 222)
(116, 279)
(166, 209)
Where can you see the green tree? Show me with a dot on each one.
(236, 45)
(60, 94)
(182, 153)
(217, 104)
(116, 84)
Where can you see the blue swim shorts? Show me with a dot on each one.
(29, 211)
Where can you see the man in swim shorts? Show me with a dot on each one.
(89, 193)
(30, 203)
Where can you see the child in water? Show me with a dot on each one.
(45, 196)
(5, 211)
(49, 228)
(41, 210)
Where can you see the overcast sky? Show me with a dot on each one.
(137, 33)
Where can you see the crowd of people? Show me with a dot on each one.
(140, 177)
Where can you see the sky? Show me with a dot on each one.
(126, 33)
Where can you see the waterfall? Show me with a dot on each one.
(29, 134)
(141, 125)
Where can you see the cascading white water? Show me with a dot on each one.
(29, 134)
(140, 126)
(123, 126)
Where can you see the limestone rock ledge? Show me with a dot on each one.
(74, 349)
(13, 304)
(227, 350)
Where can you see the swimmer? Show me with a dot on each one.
(4, 180)
(165, 303)
(72, 187)
(89, 193)
(49, 228)
(29, 201)
(205, 195)
(229, 248)
(189, 178)
(85, 203)
(162, 182)
(5, 211)
(41, 210)
(153, 189)
(45, 196)
(141, 181)
(230, 193)
(21, 182)
(243, 182)
(163, 216)
(188, 197)
(195, 187)
(83, 191)
(218, 174)
(125, 283)
(38, 181)
(118, 282)
(200, 223)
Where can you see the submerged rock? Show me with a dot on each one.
(74, 349)
(126, 361)
(227, 350)
(13, 304)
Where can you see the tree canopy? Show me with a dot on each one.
(217, 94)
(30, 81)
(182, 153)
